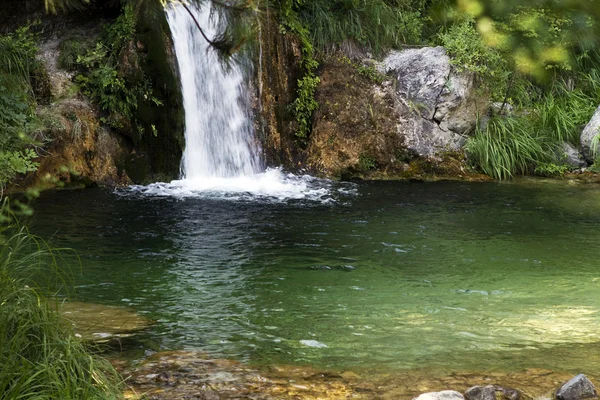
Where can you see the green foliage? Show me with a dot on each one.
(17, 53)
(562, 113)
(17, 64)
(70, 50)
(507, 146)
(375, 24)
(40, 356)
(551, 170)
(469, 52)
(366, 163)
(118, 34)
(104, 83)
(305, 103)
(371, 73)
(103, 80)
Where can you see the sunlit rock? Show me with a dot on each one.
(577, 388)
(443, 395)
(100, 323)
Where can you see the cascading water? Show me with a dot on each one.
(218, 129)
(221, 157)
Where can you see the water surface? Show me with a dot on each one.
(386, 276)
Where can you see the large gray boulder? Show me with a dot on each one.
(446, 102)
(587, 136)
(443, 395)
(577, 388)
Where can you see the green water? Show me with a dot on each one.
(454, 276)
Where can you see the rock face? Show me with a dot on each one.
(446, 101)
(276, 82)
(443, 395)
(409, 118)
(587, 136)
(577, 388)
(355, 129)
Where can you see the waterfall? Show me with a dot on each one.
(221, 159)
(218, 127)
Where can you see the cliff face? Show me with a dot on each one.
(278, 71)
(405, 117)
(82, 147)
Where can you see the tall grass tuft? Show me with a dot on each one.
(507, 146)
(40, 357)
(563, 112)
(376, 24)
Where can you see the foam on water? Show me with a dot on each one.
(273, 184)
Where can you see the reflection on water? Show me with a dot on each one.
(454, 276)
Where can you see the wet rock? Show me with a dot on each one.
(481, 393)
(443, 395)
(508, 393)
(577, 388)
(589, 133)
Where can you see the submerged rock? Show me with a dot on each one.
(589, 133)
(100, 323)
(443, 395)
(577, 388)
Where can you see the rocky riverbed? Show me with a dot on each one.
(193, 375)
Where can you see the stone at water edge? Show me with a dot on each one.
(443, 395)
(589, 132)
(508, 393)
(577, 388)
(491, 392)
(481, 393)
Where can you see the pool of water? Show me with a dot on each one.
(383, 276)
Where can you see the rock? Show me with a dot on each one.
(422, 75)
(446, 101)
(443, 395)
(577, 388)
(508, 393)
(567, 154)
(587, 136)
(99, 323)
(481, 393)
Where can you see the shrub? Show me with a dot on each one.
(469, 52)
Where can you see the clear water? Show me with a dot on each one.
(385, 276)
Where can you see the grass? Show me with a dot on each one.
(508, 146)
(41, 358)
(375, 24)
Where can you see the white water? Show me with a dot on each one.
(222, 157)
(218, 133)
